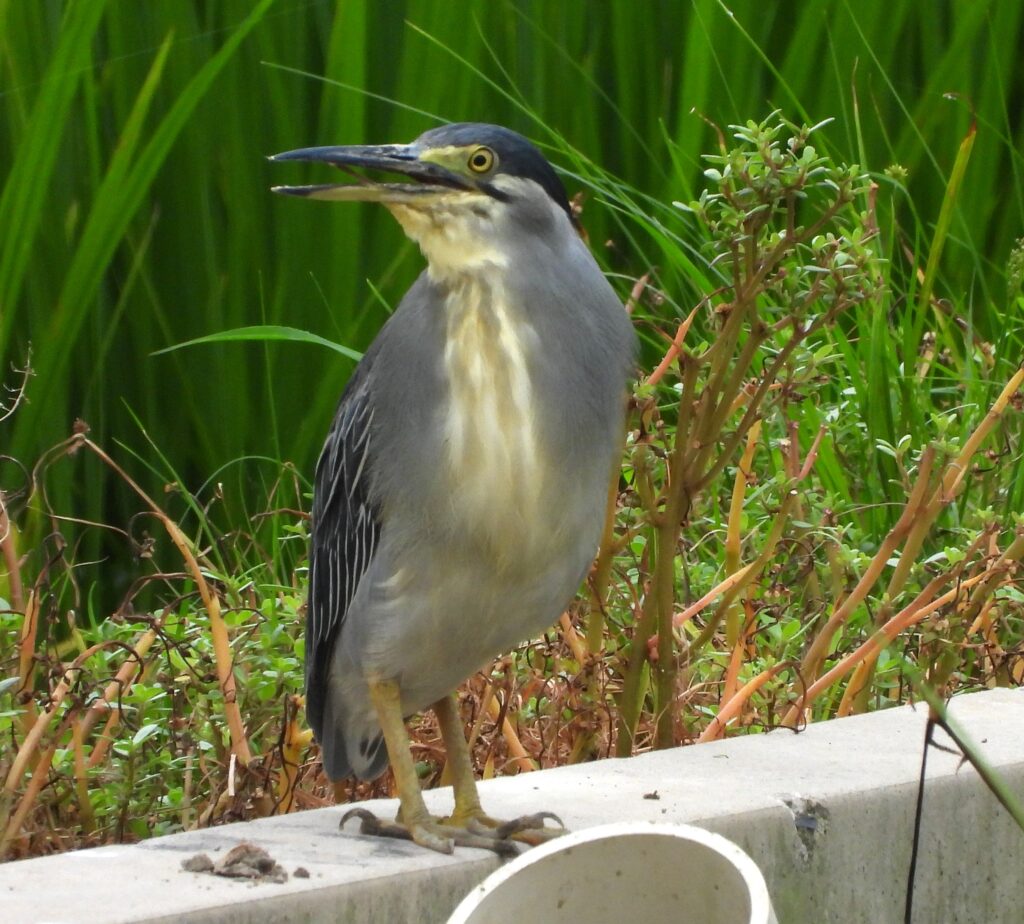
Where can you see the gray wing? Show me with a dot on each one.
(345, 530)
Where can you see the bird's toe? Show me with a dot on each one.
(526, 829)
(437, 835)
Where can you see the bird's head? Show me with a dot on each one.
(470, 191)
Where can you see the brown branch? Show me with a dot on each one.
(218, 628)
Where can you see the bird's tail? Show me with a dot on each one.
(349, 751)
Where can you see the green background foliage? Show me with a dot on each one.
(135, 213)
(135, 216)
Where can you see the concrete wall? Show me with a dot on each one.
(827, 814)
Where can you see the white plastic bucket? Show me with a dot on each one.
(629, 871)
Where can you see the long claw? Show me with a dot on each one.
(527, 829)
(372, 826)
(433, 834)
(524, 823)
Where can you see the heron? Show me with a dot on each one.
(461, 491)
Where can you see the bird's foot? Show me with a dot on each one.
(437, 834)
(472, 829)
(526, 829)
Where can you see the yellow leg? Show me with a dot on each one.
(387, 700)
(469, 813)
(468, 826)
(460, 766)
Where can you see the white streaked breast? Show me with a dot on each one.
(492, 440)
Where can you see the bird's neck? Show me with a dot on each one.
(456, 242)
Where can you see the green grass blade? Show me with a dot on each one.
(120, 195)
(24, 196)
(266, 332)
(938, 243)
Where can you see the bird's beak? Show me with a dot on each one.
(428, 178)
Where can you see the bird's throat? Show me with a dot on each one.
(456, 237)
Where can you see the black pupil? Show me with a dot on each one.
(480, 160)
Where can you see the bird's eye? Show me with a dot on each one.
(481, 160)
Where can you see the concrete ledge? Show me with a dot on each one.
(826, 814)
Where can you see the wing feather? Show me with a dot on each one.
(345, 530)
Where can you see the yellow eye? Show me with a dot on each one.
(481, 160)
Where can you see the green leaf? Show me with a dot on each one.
(266, 332)
(145, 733)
